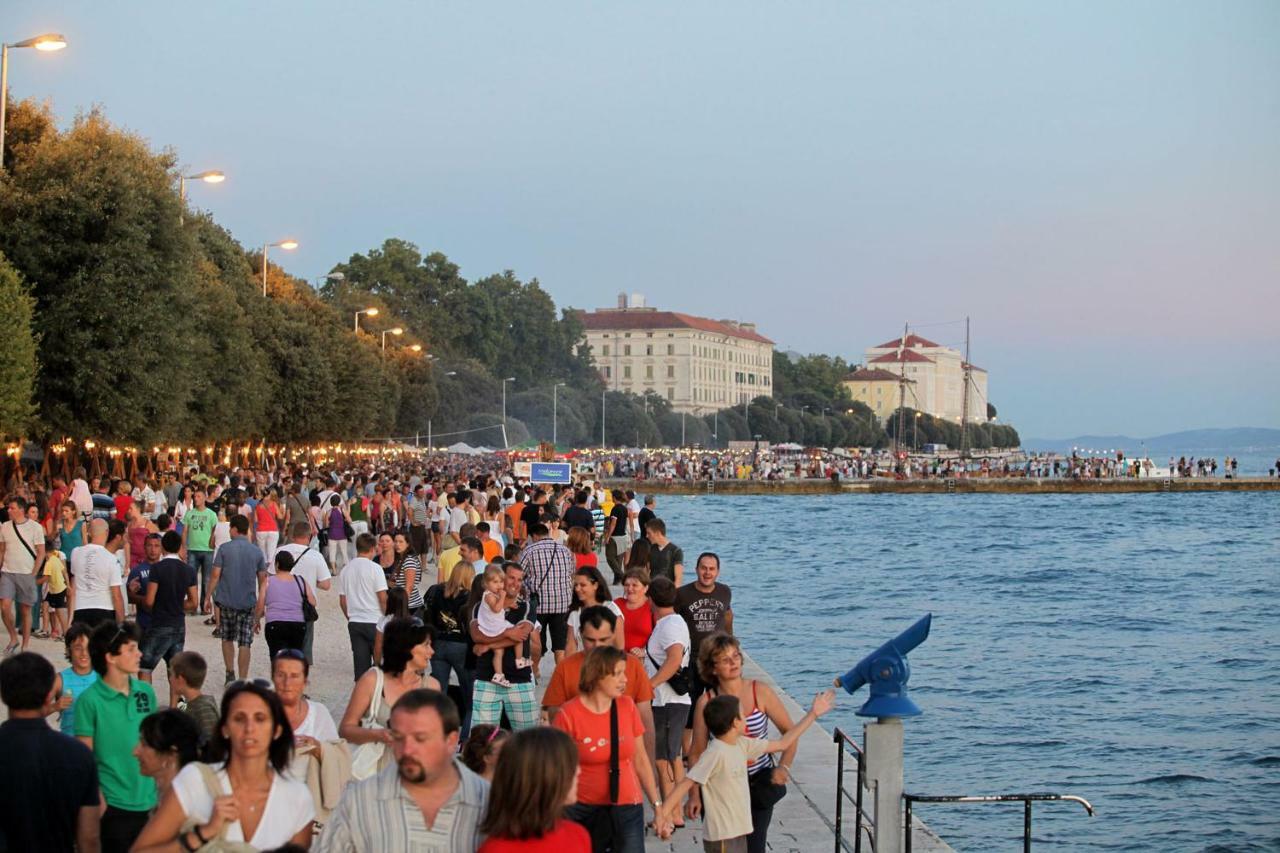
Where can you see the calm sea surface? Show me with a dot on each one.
(1122, 648)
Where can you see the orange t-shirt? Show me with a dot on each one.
(590, 731)
(563, 685)
(492, 551)
(513, 513)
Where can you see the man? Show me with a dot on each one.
(706, 607)
(488, 699)
(238, 567)
(419, 517)
(451, 556)
(308, 564)
(135, 586)
(362, 594)
(648, 512)
(104, 506)
(428, 800)
(108, 714)
(50, 795)
(515, 515)
(298, 510)
(634, 531)
(598, 626)
(548, 571)
(615, 535)
(666, 559)
(172, 593)
(94, 595)
(490, 547)
(579, 515)
(21, 551)
(532, 514)
(197, 543)
(457, 515)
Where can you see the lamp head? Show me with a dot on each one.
(288, 245)
(372, 312)
(416, 347)
(887, 671)
(210, 177)
(48, 42)
(396, 331)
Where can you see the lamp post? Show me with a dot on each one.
(333, 276)
(396, 331)
(211, 177)
(555, 410)
(48, 42)
(372, 312)
(429, 445)
(603, 394)
(915, 433)
(288, 245)
(504, 410)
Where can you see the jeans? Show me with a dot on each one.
(202, 562)
(613, 829)
(162, 643)
(452, 655)
(362, 635)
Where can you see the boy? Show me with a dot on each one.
(722, 772)
(187, 673)
(53, 577)
(77, 678)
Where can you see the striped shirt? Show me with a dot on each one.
(378, 816)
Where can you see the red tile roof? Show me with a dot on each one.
(873, 375)
(631, 320)
(907, 355)
(912, 341)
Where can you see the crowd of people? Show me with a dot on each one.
(530, 665)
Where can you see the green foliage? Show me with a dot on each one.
(931, 430)
(17, 355)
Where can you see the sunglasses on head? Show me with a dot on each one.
(291, 654)
(245, 682)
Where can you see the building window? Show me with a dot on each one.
(626, 334)
(648, 371)
(605, 350)
(606, 372)
(671, 371)
(648, 349)
(626, 372)
(671, 349)
(626, 350)
(671, 393)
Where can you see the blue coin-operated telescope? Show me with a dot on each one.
(887, 671)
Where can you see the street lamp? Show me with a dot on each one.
(415, 347)
(211, 177)
(372, 312)
(504, 410)
(288, 245)
(555, 410)
(48, 42)
(333, 276)
(396, 331)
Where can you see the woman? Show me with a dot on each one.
(590, 589)
(280, 599)
(311, 722)
(638, 556)
(356, 511)
(637, 611)
(611, 811)
(406, 658)
(720, 666)
(445, 605)
(168, 741)
(336, 522)
(136, 531)
(665, 657)
(249, 797)
(497, 519)
(397, 608)
(185, 502)
(407, 573)
(268, 516)
(537, 779)
(481, 749)
(579, 542)
(386, 556)
(123, 499)
(70, 529)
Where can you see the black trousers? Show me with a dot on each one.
(120, 828)
(285, 635)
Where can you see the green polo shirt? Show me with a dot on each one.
(199, 524)
(112, 719)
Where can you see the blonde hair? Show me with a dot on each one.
(492, 571)
(460, 579)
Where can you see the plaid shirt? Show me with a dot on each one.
(548, 573)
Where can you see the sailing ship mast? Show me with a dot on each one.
(902, 392)
(968, 378)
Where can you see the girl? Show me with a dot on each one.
(481, 750)
(407, 574)
(536, 780)
(493, 619)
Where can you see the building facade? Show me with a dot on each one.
(698, 364)
(878, 389)
(935, 378)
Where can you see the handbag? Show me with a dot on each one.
(219, 843)
(309, 611)
(366, 756)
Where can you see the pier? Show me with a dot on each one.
(952, 485)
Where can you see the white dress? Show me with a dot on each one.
(492, 624)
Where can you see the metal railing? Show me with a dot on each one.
(842, 740)
(1025, 799)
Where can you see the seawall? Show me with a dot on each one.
(958, 485)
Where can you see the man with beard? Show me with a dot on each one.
(427, 800)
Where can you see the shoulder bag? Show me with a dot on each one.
(219, 843)
(679, 681)
(309, 611)
(366, 757)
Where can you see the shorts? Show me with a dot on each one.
(20, 588)
(728, 845)
(558, 625)
(161, 643)
(235, 626)
(56, 600)
(668, 729)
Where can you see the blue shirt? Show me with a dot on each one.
(140, 573)
(240, 562)
(77, 684)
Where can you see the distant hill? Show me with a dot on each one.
(1235, 440)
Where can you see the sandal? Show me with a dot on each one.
(500, 680)
(41, 635)
(211, 621)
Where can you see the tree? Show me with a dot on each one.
(991, 412)
(18, 355)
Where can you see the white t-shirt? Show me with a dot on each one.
(360, 581)
(318, 724)
(289, 807)
(575, 618)
(94, 571)
(17, 559)
(312, 568)
(670, 629)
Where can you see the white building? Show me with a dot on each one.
(936, 375)
(698, 364)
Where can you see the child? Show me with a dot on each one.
(187, 671)
(722, 772)
(76, 678)
(53, 577)
(493, 618)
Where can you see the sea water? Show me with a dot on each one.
(1123, 648)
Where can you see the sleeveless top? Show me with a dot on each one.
(757, 727)
(137, 545)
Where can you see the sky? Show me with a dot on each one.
(1096, 185)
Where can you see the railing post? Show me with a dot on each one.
(839, 789)
(883, 755)
(1026, 826)
(906, 824)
